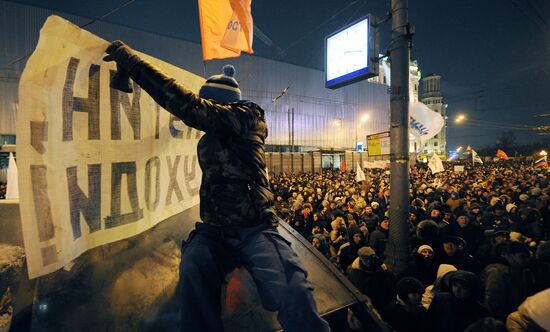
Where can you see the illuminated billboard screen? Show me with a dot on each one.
(349, 54)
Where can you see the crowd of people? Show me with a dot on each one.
(480, 250)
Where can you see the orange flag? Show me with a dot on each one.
(227, 28)
(502, 155)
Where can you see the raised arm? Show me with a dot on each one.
(201, 114)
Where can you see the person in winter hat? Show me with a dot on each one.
(379, 238)
(463, 227)
(532, 315)
(348, 251)
(457, 309)
(511, 208)
(508, 282)
(236, 203)
(423, 266)
(319, 242)
(406, 313)
(371, 277)
(222, 88)
(441, 284)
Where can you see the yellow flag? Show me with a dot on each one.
(226, 28)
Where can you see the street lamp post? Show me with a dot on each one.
(397, 250)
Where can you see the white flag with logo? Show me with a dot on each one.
(476, 158)
(12, 191)
(423, 122)
(360, 175)
(435, 164)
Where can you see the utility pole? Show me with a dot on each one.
(397, 251)
(292, 148)
(289, 131)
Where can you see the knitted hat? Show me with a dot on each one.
(222, 88)
(424, 247)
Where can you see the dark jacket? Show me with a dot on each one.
(348, 251)
(425, 271)
(449, 314)
(405, 317)
(452, 314)
(234, 189)
(378, 240)
(378, 284)
(506, 288)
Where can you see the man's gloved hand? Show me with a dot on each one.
(125, 59)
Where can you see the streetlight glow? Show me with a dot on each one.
(460, 118)
(543, 153)
(364, 118)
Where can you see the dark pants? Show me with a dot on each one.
(280, 278)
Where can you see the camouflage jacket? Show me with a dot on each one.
(234, 189)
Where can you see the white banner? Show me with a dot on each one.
(435, 164)
(12, 191)
(95, 165)
(360, 175)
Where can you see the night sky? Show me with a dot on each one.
(493, 55)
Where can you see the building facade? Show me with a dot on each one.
(433, 98)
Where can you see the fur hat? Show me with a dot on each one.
(514, 247)
(222, 88)
(366, 252)
(468, 278)
(523, 197)
(427, 229)
(460, 213)
(407, 286)
(475, 205)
